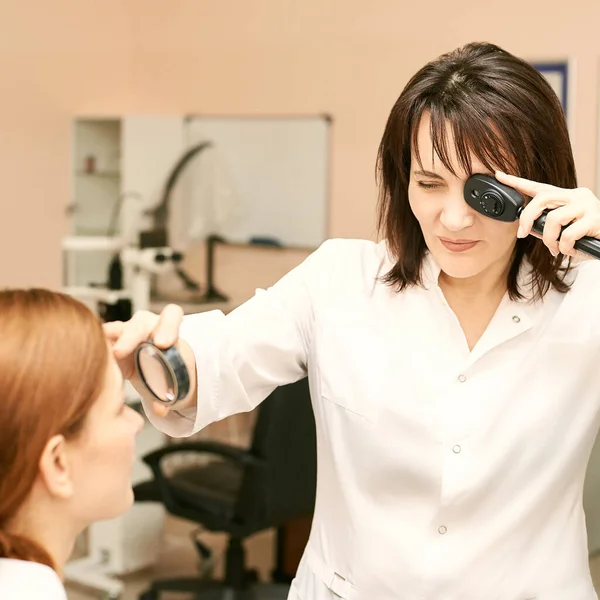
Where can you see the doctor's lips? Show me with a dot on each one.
(458, 245)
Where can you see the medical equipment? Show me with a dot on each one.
(163, 372)
(498, 201)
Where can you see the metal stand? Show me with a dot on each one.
(212, 294)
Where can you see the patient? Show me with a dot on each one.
(67, 438)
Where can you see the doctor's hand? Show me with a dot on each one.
(126, 336)
(578, 210)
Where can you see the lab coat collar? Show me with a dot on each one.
(431, 272)
(512, 318)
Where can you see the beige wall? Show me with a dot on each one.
(349, 58)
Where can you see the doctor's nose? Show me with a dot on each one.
(456, 214)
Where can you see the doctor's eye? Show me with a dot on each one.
(428, 186)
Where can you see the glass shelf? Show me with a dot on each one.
(100, 174)
(93, 232)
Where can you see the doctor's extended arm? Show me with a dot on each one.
(235, 361)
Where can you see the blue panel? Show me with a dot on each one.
(562, 69)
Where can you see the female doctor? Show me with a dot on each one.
(454, 366)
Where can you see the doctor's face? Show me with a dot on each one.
(464, 242)
(102, 456)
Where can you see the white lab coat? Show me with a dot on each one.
(443, 474)
(25, 580)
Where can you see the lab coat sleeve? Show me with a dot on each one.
(243, 356)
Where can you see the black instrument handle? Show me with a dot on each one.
(587, 245)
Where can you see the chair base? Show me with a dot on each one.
(215, 590)
(239, 583)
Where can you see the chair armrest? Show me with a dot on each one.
(153, 460)
(239, 455)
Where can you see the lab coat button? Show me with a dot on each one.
(456, 449)
(442, 529)
(516, 319)
(462, 378)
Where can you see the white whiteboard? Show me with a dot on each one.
(264, 177)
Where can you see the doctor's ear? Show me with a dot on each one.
(55, 471)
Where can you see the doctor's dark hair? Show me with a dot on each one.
(504, 112)
(53, 364)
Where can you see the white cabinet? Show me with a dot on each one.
(96, 174)
(118, 171)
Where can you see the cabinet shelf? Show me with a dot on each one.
(92, 232)
(100, 174)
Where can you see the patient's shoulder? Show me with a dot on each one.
(24, 580)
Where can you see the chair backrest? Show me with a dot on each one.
(285, 439)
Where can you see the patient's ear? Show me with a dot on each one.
(55, 471)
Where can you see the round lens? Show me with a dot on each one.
(155, 374)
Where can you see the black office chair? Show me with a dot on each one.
(243, 492)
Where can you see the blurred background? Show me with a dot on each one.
(195, 150)
(348, 59)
